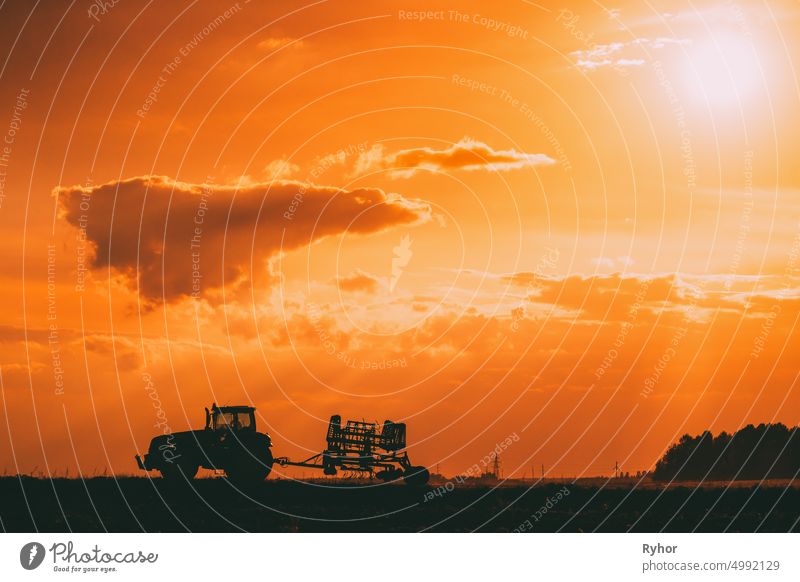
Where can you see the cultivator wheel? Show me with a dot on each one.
(416, 476)
(389, 474)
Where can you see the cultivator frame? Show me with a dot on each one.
(368, 448)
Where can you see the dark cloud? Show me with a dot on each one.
(173, 239)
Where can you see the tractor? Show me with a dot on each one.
(230, 442)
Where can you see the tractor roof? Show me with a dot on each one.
(236, 408)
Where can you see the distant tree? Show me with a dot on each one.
(768, 451)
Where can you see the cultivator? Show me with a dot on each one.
(365, 448)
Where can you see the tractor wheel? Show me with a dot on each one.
(177, 472)
(416, 476)
(249, 470)
(389, 474)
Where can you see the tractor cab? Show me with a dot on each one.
(231, 418)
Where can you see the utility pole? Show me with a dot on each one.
(616, 470)
(542, 470)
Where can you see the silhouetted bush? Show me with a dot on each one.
(766, 451)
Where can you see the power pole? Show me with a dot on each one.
(542, 470)
(616, 470)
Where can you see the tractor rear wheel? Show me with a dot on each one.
(416, 476)
(249, 469)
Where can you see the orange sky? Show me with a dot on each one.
(579, 225)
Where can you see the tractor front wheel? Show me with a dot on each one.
(176, 472)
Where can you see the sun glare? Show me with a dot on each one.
(723, 70)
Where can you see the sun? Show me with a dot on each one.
(723, 69)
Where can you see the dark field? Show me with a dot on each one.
(212, 505)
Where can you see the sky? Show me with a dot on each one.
(577, 227)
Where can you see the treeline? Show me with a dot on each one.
(766, 451)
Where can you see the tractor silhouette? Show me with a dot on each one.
(231, 443)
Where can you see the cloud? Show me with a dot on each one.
(281, 169)
(170, 239)
(10, 334)
(467, 154)
(603, 297)
(622, 55)
(273, 43)
(359, 282)
(622, 261)
(616, 296)
(579, 306)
